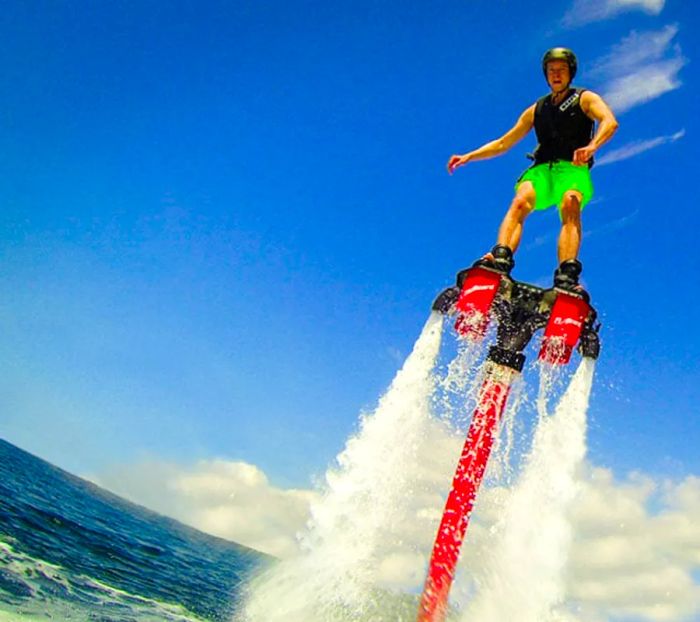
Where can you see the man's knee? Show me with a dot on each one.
(523, 203)
(571, 206)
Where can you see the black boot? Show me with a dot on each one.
(500, 258)
(566, 275)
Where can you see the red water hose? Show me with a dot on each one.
(465, 485)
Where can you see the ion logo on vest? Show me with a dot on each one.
(569, 102)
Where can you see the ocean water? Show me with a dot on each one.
(72, 551)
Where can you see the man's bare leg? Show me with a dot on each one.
(511, 229)
(521, 207)
(567, 274)
(570, 236)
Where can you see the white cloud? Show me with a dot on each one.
(643, 85)
(642, 67)
(586, 11)
(232, 500)
(636, 147)
(635, 49)
(629, 561)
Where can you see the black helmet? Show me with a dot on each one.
(564, 54)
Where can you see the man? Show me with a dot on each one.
(564, 122)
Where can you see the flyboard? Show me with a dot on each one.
(483, 294)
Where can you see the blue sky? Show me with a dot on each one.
(223, 224)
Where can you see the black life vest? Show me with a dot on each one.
(561, 128)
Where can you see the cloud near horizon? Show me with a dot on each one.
(635, 550)
(587, 11)
(630, 561)
(230, 499)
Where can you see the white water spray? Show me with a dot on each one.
(366, 530)
(370, 533)
(457, 391)
(524, 579)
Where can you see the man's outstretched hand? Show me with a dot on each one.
(456, 161)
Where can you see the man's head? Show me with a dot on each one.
(559, 66)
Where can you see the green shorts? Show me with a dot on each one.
(551, 181)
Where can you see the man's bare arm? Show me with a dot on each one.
(498, 146)
(593, 105)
